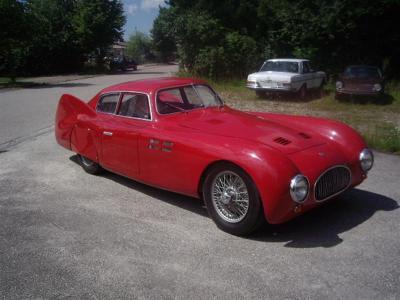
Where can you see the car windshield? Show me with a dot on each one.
(280, 66)
(186, 98)
(362, 72)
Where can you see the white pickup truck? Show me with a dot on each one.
(286, 75)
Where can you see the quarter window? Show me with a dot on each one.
(108, 103)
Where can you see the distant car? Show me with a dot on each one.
(178, 135)
(122, 63)
(286, 76)
(360, 80)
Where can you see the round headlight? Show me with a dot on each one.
(339, 85)
(299, 187)
(377, 87)
(366, 159)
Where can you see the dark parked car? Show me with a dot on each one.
(360, 80)
(122, 63)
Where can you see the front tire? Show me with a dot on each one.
(302, 92)
(232, 200)
(89, 165)
(261, 94)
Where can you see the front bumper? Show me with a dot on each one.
(274, 87)
(358, 92)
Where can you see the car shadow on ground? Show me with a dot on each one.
(191, 204)
(320, 227)
(61, 84)
(284, 97)
(384, 99)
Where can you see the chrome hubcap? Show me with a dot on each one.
(230, 196)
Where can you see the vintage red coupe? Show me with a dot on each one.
(177, 134)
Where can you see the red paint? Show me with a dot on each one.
(172, 151)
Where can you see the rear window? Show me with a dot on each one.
(108, 103)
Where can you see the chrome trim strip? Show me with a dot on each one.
(341, 191)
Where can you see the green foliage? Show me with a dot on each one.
(13, 34)
(210, 35)
(139, 47)
(163, 35)
(47, 36)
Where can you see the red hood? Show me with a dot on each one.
(233, 123)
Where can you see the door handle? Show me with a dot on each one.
(107, 133)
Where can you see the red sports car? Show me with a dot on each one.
(178, 135)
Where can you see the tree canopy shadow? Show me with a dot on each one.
(320, 227)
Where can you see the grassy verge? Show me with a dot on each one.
(378, 120)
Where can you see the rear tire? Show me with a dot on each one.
(89, 165)
(232, 200)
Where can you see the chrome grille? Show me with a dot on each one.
(332, 182)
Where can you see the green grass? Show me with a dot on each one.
(377, 120)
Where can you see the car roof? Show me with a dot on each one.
(288, 59)
(151, 85)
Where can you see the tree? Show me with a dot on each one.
(97, 24)
(211, 35)
(13, 35)
(139, 47)
(48, 36)
(163, 35)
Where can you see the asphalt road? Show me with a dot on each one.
(30, 111)
(67, 234)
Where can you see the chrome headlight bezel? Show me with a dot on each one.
(366, 158)
(299, 188)
(377, 87)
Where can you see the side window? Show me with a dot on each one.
(192, 96)
(306, 67)
(170, 101)
(108, 103)
(135, 106)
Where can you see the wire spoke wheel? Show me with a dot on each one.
(230, 196)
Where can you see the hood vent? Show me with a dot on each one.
(282, 141)
(304, 135)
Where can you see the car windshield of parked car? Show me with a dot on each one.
(362, 72)
(280, 66)
(186, 98)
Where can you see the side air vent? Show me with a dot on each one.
(282, 141)
(304, 135)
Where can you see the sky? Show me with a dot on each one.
(140, 15)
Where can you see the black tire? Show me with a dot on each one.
(321, 91)
(89, 165)
(253, 218)
(261, 94)
(302, 93)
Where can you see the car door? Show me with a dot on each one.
(313, 80)
(120, 133)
